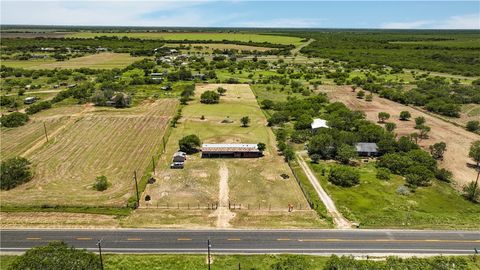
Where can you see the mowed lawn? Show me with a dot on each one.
(251, 181)
(95, 141)
(243, 37)
(375, 203)
(106, 60)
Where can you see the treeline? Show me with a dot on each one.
(362, 48)
(435, 94)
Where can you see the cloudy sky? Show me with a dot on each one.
(243, 13)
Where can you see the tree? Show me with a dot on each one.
(245, 121)
(405, 115)
(472, 191)
(474, 154)
(437, 150)
(473, 126)
(369, 97)
(209, 97)
(424, 130)
(360, 94)
(323, 145)
(267, 104)
(221, 91)
(101, 183)
(390, 127)
(189, 143)
(419, 175)
(14, 119)
(261, 146)
(382, 116)
(304, 121)
(56, 255)
(121, 100)
(419, 121)
(345, 153)
(288, 153)
(13, 172)
(344, 176)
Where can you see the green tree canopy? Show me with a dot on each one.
(14, 171)
(189, 144)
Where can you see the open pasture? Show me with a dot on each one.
(210, 47)
(251, 182)
(97, 61)
(92, 142)
(243, 37)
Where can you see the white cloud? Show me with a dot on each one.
(284, 23)
(468, 21)
(406, 25)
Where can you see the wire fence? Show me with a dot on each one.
(231, 206)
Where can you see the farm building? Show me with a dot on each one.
(230, 151)
(365, 149)
(319, 123)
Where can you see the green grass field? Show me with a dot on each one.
(251, 181)
(375, 203)
(95, 61)
(243, 37)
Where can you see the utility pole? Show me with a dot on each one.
(99, 244)
(136, 188)
(208, 248)
(45, 129)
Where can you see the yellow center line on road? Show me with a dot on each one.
(234, 239)
(389, 240)
(83, 238)
(134, 239)
(184, 239)
(34, 238)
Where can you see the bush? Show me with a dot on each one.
(383, 174)
(261, 146)
(209, 97)
(473, 126)
(345, 153)
(444, 175)
(344, 176)
(34, 108)
(13, 172)
(56, 255)
(419, 175)
(14, 119)
(189, 144)
(405, 115)
(267, 104)
(101, 183)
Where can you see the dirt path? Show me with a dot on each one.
(73, 118)
(338, 219)
(297, 49)
(223, 213)
(457, 139)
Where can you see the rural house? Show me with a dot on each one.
(230, 151)
(318, 123)
(365, 149)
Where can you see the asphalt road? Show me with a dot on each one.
(355, 242)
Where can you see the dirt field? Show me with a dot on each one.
(251, 182)
(87, 143)
(458, 140)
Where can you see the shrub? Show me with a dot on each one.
(209, 97)
(14, 119)
(405, 115)
(383, 174)
(101, 183)
(382, 116)
(419, 175)
(56, 255)
(444, 175)
(473, 126)
(267, 104)
(403, 190)
(34, 108)
(189, 143)
(344, 176)
(13, 172)
(390, 127)
(245, 121)
(261, 146)
(360, 94)
(221, 90)
(345, 153)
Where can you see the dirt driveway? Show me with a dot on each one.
(458, 140)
